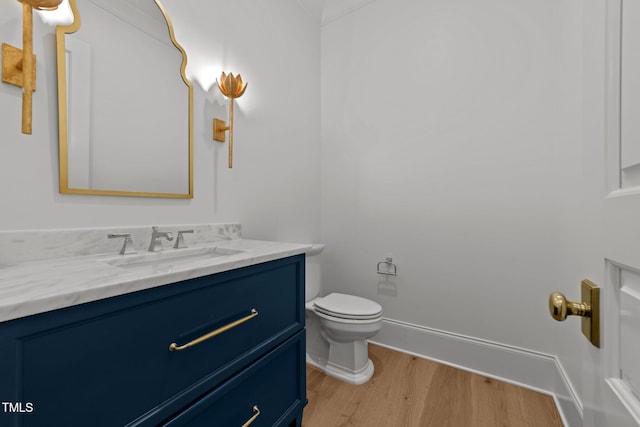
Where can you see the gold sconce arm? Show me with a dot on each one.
(19, 65)
(231, 87)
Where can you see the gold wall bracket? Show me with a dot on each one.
(588, 309)
(219, 129)
(19, 65)
(12, 67)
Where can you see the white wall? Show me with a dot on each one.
(451, 142)
(273, 189)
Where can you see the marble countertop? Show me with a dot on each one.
(35, 287)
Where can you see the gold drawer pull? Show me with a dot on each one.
(250, 421)
(175, 347)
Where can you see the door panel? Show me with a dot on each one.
(630, 94)
(630, 337)
(611, 373)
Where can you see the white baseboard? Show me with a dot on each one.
(525, 368)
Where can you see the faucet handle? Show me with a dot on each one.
(127, 246)
(180, 239)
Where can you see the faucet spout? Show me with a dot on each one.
(156, 235)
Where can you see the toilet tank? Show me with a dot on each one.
(312, 271)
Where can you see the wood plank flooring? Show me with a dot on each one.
(407, 391)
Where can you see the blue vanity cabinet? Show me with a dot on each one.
(109, 363)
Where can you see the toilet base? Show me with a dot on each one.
(359, 377)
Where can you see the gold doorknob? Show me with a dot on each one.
(589, 309)
(560, 307)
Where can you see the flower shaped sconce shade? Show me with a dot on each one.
(19, 65)
(232, 87)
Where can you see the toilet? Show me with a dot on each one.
(338, 326)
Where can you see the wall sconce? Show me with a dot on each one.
(19, 65)
(231, 87)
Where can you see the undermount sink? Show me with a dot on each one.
(170, 257)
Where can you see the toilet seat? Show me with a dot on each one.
(348, 307)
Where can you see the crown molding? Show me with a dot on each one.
(336, 9)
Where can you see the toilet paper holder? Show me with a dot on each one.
(392, 270)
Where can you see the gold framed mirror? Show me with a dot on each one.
(125, 105)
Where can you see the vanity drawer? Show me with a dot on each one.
(108, 362)
(254, 312)
(275, 386)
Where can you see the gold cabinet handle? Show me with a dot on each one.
(560, 307)
(256, 413)
(175, 347)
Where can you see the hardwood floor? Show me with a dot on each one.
(407, 391)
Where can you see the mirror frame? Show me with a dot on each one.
(61, 30)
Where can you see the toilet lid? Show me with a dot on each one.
(348, 307)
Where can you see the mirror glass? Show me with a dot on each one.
(125, 104)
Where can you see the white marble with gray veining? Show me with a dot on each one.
(33, 287)
(30, 245)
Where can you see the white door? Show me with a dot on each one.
(611, 193)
